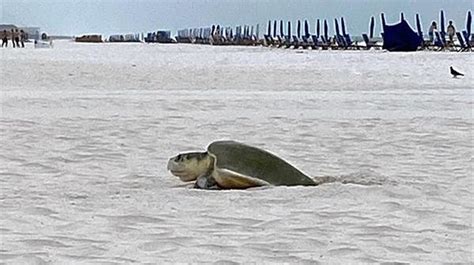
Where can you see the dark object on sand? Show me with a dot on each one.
(89, 38)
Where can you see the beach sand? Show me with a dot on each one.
(87, 129)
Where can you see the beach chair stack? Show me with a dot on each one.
(401, 36)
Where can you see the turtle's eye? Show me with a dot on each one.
(178, 158)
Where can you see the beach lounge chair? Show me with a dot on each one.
(368, 42)
(469, 41)
(268, 40)
(296, 43)
(277, 41)
(306, 42)
(462, 44)
(325, 43)
(349, 42)
(341, 43)
(286, 42)
(439, 43)
(315, 43)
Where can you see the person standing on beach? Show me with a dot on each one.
(17, 38)
(13, 38)
(5, 38)
(451, 31)
(22, 38)
(431, 31)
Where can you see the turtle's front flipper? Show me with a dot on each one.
(228, 179)
(206, 182)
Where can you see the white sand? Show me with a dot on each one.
(86, 130)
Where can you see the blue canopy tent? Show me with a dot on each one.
(400, 37)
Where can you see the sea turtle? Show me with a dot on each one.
(234, 165)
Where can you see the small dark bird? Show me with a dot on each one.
(454, 72)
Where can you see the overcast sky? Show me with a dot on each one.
(72, 17)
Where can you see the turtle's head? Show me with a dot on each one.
(189, 166)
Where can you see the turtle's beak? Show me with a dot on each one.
(172, 165)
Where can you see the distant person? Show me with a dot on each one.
(432, 30)
(4, 38)
(13, 38)
(451, 31)
(22, 38)
(17, 38)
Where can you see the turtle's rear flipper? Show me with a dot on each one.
(228, 179)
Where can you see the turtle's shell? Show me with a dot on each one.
(254, 162)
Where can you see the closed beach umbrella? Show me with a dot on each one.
(318, 30)
(343, 27)
(418, 26)
(269, 28)
(281, 28)
(274, 28)
(372, 27)
(289, 29)
(442, 21)
(336, 26)
(326, 29)
(306, 28)
(298, 31)
(468, 23)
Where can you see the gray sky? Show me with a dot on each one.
(71, 17)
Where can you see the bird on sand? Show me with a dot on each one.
(454, 72)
